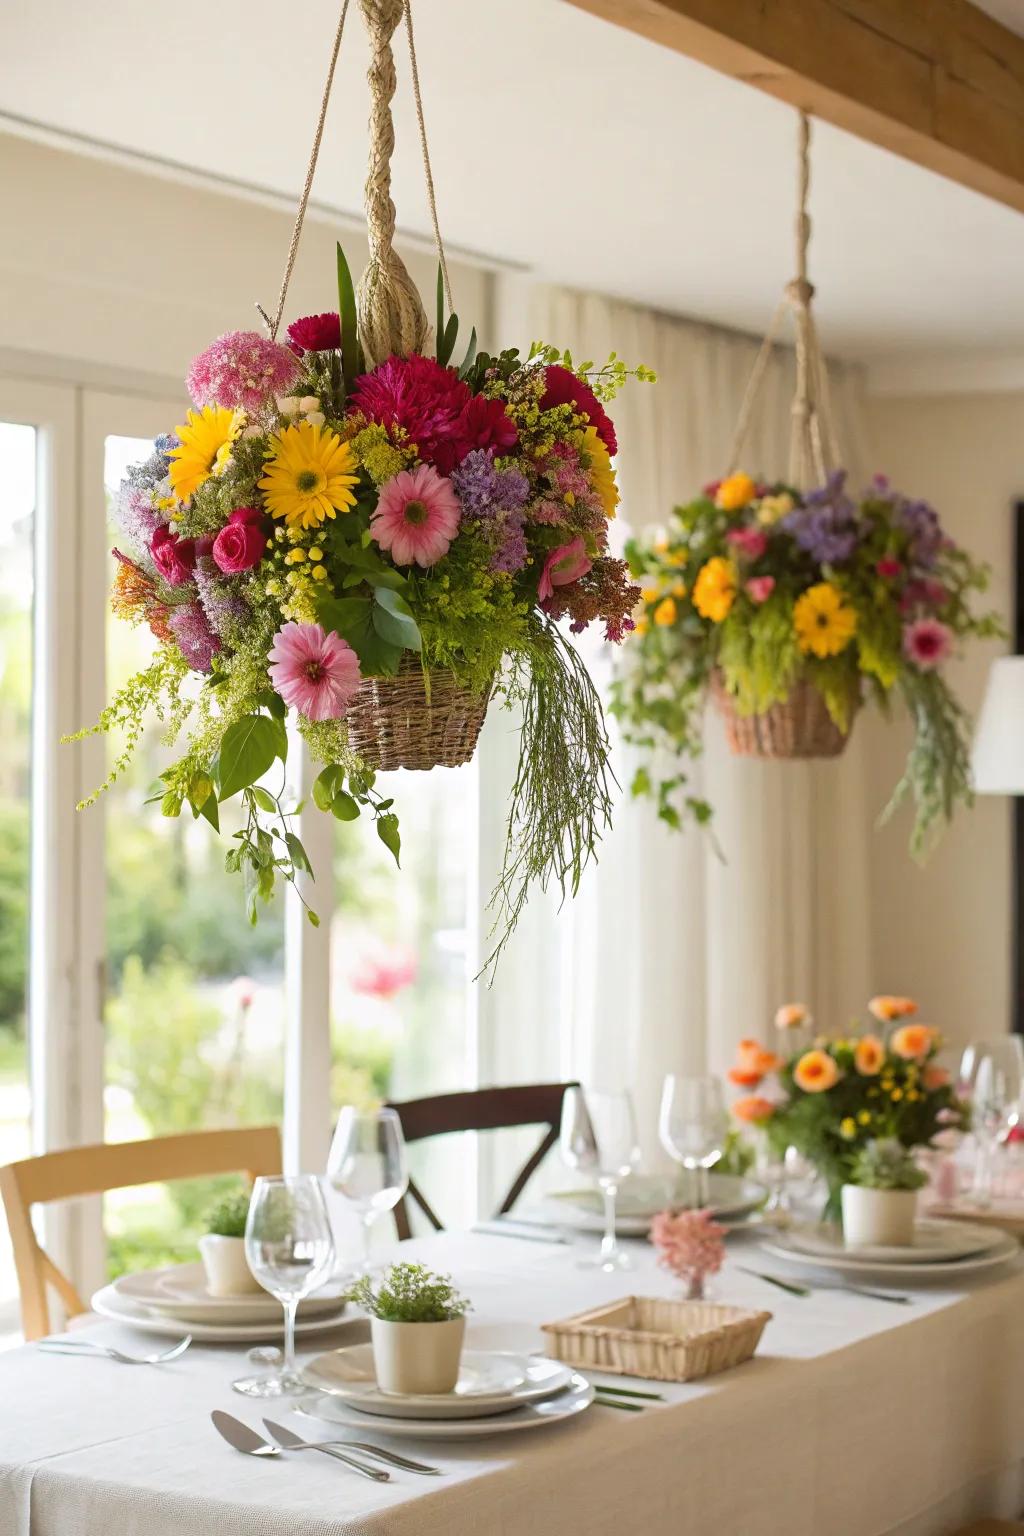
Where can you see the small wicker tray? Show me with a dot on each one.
(661, 1340)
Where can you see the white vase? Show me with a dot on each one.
(878, 1217)
(227, 1271)
(417, 1357)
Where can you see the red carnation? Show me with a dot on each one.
(240, 545)
(426, 400)
(562, 387)
(315, 333)
(173, 557)
(487, 424)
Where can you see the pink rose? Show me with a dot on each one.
(173, 557)
(565, 564)
(889, 567)
(760, 588)
(241, 544)
(750, 542)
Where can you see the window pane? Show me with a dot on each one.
(195, 1010)
(17, 512)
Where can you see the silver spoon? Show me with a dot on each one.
(292, 1442)
(245, 1439)
(89, 1347)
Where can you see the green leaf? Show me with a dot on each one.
(641, 784)
(344, 807)
(272, 702)
(298, 854)
(387, 831)
(446, 347)
(312, 918)
(349, 332)
(170, 804)
(393, 620)
(210, 811)
(247, 750)
(326, 785)
(470, 357)
(352, 618)
(439, 328)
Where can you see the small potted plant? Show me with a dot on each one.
(222, 1248)
(880, 1201)
(417, 1325)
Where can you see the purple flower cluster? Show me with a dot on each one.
(826, 524)
(919, 520)
(136, 515)
(188, 623)
(223, 608)
(496, 498)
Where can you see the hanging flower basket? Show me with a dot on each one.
(415, 719)
(798, 727)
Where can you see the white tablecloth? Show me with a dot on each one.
(855, 1418)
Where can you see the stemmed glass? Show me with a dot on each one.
(693, 1125)
(598, 1137)
(367, 1165)
(992, 1074)
(290, 1250)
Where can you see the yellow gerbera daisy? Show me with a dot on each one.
(599, 466)
(310, 475)
(204, 448)
(666, 612)
(734, 492)
(824, 624)
(714, 591)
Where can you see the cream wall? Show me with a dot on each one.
(140, 272)
(942, 933)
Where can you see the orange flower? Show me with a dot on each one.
(792, 1015)
(913, 1041)
(815, 1072)
(935, 1077)
(754, 1109)
(744, 1077)
(734, 492)
(887, 1009)
(748, 1055)
(869, 1055)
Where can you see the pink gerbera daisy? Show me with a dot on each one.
(314, 672)
(927, 643)
(417, 516)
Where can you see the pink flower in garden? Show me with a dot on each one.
(416, 517)
(927, 643)
(888, 567)
(314, 672)
(174, 558)
(383, 975)
(563, 565)
(760, 588)
(751, 543)
(240, 545)
(690, 1245)
(241, 370)
(315, 333)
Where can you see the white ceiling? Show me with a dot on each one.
(559, 142)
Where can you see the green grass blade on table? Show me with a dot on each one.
(783, 1285)
(654, 1397)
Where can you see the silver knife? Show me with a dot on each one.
(288, 1439)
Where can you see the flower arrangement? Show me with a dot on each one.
(314, 529)
(831, 1099)
(771, 599)
(410, 1293)
(690, 1245)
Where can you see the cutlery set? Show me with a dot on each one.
(246, 1439)
(795, 1288)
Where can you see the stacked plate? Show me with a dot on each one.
(496, 1393)
(176, 1300)
(641, 1198)
(940, 1249)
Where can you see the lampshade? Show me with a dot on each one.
(997, 757)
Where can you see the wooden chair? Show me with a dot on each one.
(483, 1109)
(113, 1165)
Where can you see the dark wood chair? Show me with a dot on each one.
(482, 1109)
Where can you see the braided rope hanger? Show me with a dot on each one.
(813, 449)
(391, 315)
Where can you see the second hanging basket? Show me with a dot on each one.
(799, 727)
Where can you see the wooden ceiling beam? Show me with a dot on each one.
(936, 81)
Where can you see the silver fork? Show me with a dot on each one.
(292, 1442)
(89, 1347)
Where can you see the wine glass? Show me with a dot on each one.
(598, 1137)
(290, 1250)
(367, 1165)
(992, 1075)
(693, 1125)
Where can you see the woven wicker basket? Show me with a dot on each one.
(661, 1340)
(394, 722)
(799, 727)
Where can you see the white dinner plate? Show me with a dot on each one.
(179, 1290)
(781, 1247)
(577, 1397)
(107, 1303)
(582, 1210)
(490, 1381)
(935, 1242)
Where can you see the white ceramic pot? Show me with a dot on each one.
(878, 1217)
(417, 1357)
(227, 1272)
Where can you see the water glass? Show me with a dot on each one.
(290, 1250)
(598, 1137)
(692, 1127)
(367, 1165)
(992, 1077)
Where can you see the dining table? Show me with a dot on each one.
(856, 1417)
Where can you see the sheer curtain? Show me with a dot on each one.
(670, 953)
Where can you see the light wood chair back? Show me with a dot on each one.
(93, 1170)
